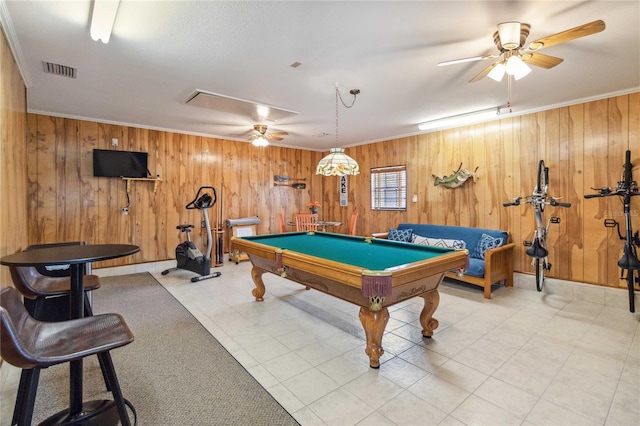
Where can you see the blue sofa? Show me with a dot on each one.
(490, 252)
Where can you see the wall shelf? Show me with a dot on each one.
(154, 180)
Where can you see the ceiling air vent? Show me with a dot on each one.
(257, 110)
(57, 69)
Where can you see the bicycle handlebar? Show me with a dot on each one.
(608, 192)
(559, 204)
(536, 200)
(603, 192)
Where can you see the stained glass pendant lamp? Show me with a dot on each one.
(337, 163)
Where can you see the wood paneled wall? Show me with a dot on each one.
(13, 170)
(67, 203)
(583, 145)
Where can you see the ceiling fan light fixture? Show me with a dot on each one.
(509, 35)
(497, 72)
(517, 68)
(103, 18)
(260, 142)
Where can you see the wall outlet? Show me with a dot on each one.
(125, 211)
(114, 142)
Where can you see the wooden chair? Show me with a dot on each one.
(352, 223)
(282, 227)
(306, 222)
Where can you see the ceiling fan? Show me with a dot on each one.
(261, 137)
(514, 56)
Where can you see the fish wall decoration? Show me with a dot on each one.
(457, 179)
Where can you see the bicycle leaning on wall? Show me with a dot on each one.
(537, 249)
(629, 262)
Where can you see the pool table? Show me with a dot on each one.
(369, 272)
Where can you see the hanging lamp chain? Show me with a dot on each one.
(337, 95)
(353, 92)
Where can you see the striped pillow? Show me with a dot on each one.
(438, 242)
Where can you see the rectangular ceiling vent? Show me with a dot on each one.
(57, 69)
(244, 107)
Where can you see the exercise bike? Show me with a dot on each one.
(188, 256)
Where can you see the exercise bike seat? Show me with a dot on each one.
(536, 250)
(184, 228)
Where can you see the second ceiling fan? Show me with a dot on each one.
(513, 55)
(262, 138)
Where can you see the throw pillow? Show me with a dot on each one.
(438, 242)
(403, 235)
(486, 242)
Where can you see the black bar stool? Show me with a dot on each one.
(33, 345)
(47, 298)
(46, 289)
(46, 295)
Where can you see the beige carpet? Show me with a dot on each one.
(174, 373)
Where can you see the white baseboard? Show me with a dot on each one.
(134, 269)
(584, 292)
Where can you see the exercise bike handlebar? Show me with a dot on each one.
(203, 200)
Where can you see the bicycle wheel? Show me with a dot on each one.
(542, 181)
(539, 265)
(627, 174)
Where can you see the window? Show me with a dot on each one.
(389, 188)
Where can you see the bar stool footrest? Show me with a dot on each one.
(94, 413)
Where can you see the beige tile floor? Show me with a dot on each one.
(521, 358)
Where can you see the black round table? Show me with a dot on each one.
(76, 256)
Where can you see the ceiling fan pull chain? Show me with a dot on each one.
(509, 93)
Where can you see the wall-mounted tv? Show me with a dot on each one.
(111, 163)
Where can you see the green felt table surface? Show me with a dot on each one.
(379, 254)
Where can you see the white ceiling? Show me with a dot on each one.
(160, 52)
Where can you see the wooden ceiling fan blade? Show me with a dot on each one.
(463, 60)
(568, 35)
(541, 60)
(280, 133)
(482, 74)
(273, 137)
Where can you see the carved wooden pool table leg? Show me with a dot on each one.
(374, 323)
(429, 323)
(256, 275)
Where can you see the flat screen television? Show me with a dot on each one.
(111, 163)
